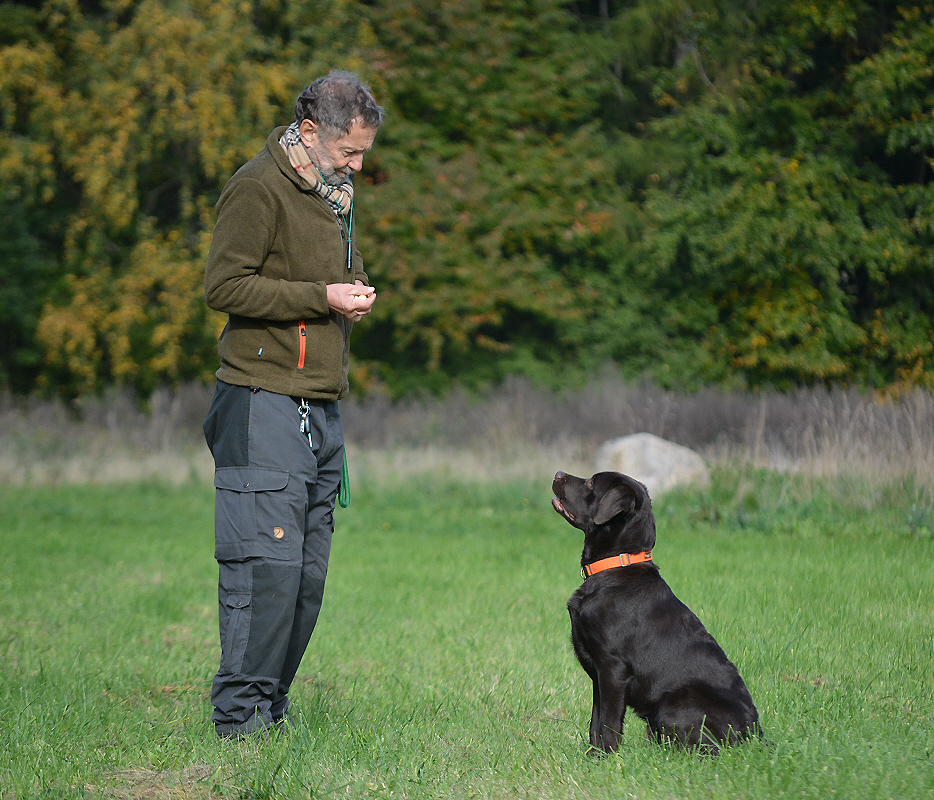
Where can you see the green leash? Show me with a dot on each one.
(343, 491)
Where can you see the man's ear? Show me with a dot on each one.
(619, 499)
(309, 132)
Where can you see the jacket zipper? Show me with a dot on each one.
(301, 322)
(301, 344)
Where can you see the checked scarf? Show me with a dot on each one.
(339, 198)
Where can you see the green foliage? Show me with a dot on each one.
(706, 192)
(137, 117)
(791, 244)
(20, 295)
(492, 205)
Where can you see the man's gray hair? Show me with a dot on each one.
(335, 101)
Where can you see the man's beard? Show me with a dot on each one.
(334, 178)
(328, 174)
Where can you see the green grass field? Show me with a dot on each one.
(441, 666)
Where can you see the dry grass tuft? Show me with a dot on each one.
(194, 783)
(519, 431)
(529, 432)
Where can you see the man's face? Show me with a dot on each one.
(340, 157)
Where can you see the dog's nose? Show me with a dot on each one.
(560, 476)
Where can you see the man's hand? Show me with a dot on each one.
(351, 300)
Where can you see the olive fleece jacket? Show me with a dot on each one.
(275, 249)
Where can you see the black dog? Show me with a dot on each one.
(640, 645)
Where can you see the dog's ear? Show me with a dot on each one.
(619, 498)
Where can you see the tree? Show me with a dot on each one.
(784, 248)
(700, 190)
(491, 199)
(138, 116)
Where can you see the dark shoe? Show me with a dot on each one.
(254, 726)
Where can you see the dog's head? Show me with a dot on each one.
(613, 510)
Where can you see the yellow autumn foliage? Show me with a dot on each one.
(147, 119)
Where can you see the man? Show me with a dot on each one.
(284, 265)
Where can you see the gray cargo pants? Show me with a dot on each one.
(274, 517)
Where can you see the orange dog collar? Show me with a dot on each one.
(613, 562)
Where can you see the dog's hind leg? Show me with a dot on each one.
(684, 721)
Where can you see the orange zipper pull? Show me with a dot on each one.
(301, 344)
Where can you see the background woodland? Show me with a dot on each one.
(700, 192)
